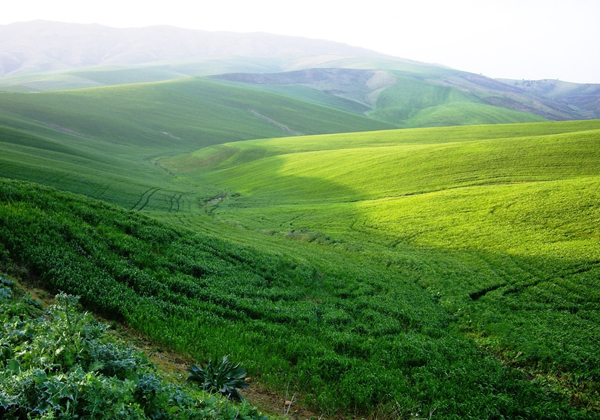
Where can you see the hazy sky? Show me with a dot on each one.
(518, 39)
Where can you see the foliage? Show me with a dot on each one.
(383, 266)
(62, 365)
(222, 377)
(346, 334)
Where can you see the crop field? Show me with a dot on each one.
(445, 271)
(498, 223)
(107, 143)
(179, 115)
(352, 337)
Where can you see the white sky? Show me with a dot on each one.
(518, 39)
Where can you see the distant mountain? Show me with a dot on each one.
(429, 97)
(49, 56)
(50, 46)
(585, 98)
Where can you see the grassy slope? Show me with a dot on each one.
(195, 112)
(348, 336)
(60, 363)
(336, 192)
(498, 222)
(104, 142)
(96, 169)
(415, 103)
(423, 96)
(317, 96)
(428, 98)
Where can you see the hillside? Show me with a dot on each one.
(498, 222)
(187, 113)
(415, 255)
(105, 142)
(583, 97)
(275, 212)
(415, 98)
(347, 337)
(68, 365)
(51, 56)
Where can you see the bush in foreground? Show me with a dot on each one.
(60, 364)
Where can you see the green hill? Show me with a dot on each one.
(347, 337)
(413, 97)
(415, 103)
(105, 142)
(498, 222)
(178, 115)
(449, 269)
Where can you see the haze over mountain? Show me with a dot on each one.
(46, 56)
(49, 46)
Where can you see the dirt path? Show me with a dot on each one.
(275, 123)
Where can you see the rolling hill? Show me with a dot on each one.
(42, 56)
(277, 214)
(416, 98)
(497, 222)
(105, 142)
(447, 269)
(583, 97)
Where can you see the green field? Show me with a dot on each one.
(497, 223)
(447, 270)
(106, 142)
(412, 102)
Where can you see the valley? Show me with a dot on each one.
(380, 238)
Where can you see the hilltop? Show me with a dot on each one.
(50, 56)
(50, 46)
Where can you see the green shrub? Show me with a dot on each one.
(222, 377)
(62, 365)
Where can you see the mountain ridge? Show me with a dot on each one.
(49, 56)
(50, 46)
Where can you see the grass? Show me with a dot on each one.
(412, 102)
(497, 222)
(193, 113)
(105, 142)
(452, 269)
(311, 94)
(61, 363)
(348, 336)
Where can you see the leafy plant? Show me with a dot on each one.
(223, 377)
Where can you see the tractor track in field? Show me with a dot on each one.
(175, 200)
(147, 194)
(102, 190)
(148, 199)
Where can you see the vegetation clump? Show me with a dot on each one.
(223, 377)
(61, 364)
